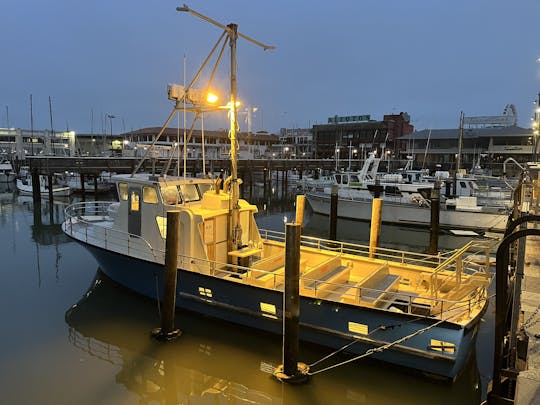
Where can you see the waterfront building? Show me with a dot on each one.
(355, 136)
(487, 142)
(294, 143)
(256, 145)
(17, 143)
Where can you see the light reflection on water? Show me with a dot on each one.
(67, 345)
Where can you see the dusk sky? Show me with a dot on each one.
(430, 58)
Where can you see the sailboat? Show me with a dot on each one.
(409, 309)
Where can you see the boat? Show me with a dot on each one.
(410, 309)
(7, 174)
(414, 209)
(91, 184)
(24, 186)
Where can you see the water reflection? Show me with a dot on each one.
(216, 362)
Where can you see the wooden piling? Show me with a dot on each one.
(168, 332)
(435, 211)
(50, 183)
(375, 229)
(333, 212)
(36, 192)
(291, 370)
(300, 207)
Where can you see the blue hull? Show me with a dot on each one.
(322, 322)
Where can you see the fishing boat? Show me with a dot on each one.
(409, 309)
(462, 212)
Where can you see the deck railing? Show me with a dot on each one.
(86, 221)
(393, 255)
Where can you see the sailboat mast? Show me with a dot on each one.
(236, 230)
(460, 143)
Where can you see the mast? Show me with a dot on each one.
(460, 143)
(235, 230)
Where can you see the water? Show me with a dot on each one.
(70, 335)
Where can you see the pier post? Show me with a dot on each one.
(36, 192)
(168, 332)
(82, 183)
(375, 228)
(291, 370)
(50, 183)
(265, 180)
(435, 211)
(333, 212)
(300, 208)
(96, 185)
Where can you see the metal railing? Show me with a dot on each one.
(392, 255)
(86, 221)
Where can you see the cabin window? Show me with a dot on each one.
(463, 184)
(189, 192)
(135, 204)
(355, 179)
(169, 195)
(204, 187)
(123, 191)
(149, 195)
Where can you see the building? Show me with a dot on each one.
(355, 136)
(295, 143)
(216, 143)
(17, 143)
(487, 141)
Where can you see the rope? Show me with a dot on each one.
(383, 347)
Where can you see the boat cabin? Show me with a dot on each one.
(204, 214)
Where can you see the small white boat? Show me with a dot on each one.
(73, 180)
(7, 174)
(24, 186)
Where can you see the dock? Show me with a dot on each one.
(528, 380)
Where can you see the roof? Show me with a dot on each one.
(469, 133)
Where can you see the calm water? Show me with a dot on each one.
(71, 336)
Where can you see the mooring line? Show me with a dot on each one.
(383, 347)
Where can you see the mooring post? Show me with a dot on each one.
(168, 332)
(300, 208)
(82, 183)
(36, 192)
(333, 212)
(96, 185)
(435, 211)
(291, 370)
(50, 183)
(375, 228)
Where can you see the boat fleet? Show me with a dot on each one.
(467, 202)
(414, 310)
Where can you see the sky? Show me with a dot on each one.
(429, 58)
